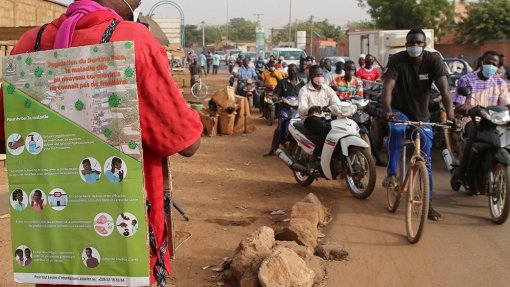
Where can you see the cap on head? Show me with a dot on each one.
(362, 56)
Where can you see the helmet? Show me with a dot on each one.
(280, 58)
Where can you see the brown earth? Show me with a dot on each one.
(228, 189)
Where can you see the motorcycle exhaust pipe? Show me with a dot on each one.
(289, 161)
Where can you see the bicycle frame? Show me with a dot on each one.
(403, 188)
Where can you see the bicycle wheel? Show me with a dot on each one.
(199, 90)
(417, 202)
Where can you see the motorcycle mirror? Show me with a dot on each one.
(464, 91)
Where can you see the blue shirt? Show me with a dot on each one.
(91, 177)
(111, 177)
(19, 206)
(202, 59)
(247, 73)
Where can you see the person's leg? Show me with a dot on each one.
(378, 160)
(395, 137)
(458, 174)
(274, 143)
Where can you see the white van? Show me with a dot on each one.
(290, 55)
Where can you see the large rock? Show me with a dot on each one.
(301, 231)
(302, 251)
(285, 268)
(317, 265)
(308, 211)
(250, 279)
(312, 198)
(331, 251)
(251, 251)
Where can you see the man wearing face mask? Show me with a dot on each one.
(487, 89)
(368, 72)
(287, 87)
(168, 126)
(348, 85)
(312, 98)
(406, 93)
(338, 72)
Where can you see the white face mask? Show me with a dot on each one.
(135, 12)
(414, 51)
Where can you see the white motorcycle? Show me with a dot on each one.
(345, 154)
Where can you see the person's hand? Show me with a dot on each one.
(461, 110)
(314, 110)
(121, 175)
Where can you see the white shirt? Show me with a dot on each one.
(309, 97)
(331, 76)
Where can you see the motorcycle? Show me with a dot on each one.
(488, 165)
(361, 117)
(269, 110)
(247, 89)
(345, 154)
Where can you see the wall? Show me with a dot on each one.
(471, 53)
(16, 13)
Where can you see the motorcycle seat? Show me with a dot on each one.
(300, 126)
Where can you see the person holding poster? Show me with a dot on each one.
(168, 125)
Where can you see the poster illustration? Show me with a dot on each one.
(74, 169)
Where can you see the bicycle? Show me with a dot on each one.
(199, 88)
(412, 180)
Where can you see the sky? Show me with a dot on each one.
(275, 12)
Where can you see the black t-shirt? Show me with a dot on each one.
(286, 89)
(413, 83)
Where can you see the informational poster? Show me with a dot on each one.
(74, 167)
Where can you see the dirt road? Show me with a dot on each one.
(228, 189)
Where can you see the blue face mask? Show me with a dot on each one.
(489, 70)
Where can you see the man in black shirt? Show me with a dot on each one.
(407, 89)
(287, 87)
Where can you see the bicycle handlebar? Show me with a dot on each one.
(420, 124)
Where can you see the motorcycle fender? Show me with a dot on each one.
(329, 149)
(348, 141)
(502, 156)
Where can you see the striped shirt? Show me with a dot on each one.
(491, 92)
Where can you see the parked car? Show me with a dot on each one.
(335, 59)
(290, 55)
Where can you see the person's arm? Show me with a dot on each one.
(504, 95)
(442, 85)
(278, 90)
(334, 100)
(388, 86)
(303, 102)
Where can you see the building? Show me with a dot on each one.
(18, 16)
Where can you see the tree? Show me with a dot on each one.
(489, 20)
(406, 14)
(361, 25)
(322, 29)
(241, 29)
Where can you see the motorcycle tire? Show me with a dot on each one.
(301, 178)
(270, 120)
(499, 200)
(360, 190)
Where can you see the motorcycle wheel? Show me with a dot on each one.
(499, 201)
(364, 170)
(302, 179)
(270, 120)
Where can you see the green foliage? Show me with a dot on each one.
(489, 20)
(407, 14)
(361, 25)
(322, 28)
(240, 29)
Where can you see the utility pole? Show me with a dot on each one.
(311, 36)
(203, 34)
(258, 17)
(227, 22)
(290, 17)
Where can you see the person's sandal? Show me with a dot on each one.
(434, 215)
(390, 181)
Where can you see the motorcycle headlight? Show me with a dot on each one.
(345, 109)
(499, 118)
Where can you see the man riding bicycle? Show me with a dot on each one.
(407, 88)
